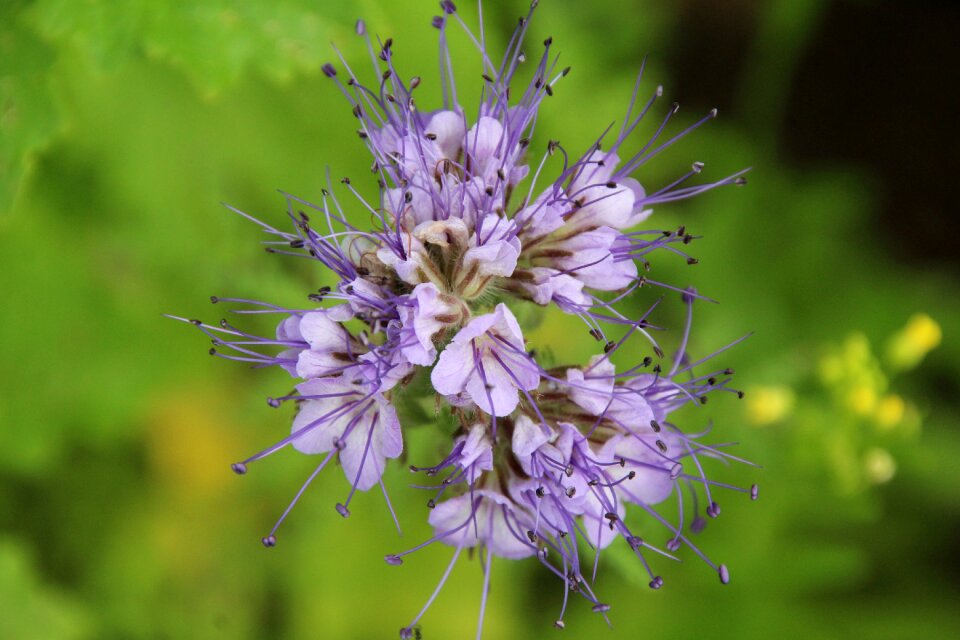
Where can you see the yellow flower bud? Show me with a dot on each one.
(907, 348)
(767, 405)
(889, 411)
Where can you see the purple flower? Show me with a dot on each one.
(338, 416)
(480, 365)
(428, 313)
(474, 220)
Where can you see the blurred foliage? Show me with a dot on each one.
(122, 124)
(848, 416)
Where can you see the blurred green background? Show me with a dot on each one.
(124, 123)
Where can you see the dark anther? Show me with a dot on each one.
(682, 230)
(728, 372)
(662, 446)
(532, 536)
(596, 334)
(692, 261)
(549, 90)
(345, 180)
(711, 381)
(448, 6)
(607, 348)
(385, 50)
(657, 368)
(296, 244)
(196, 322)
(740, 395)
(552, 146)
(703, 399)
(611, 185)
(540, 492)
(655, 426)
(713, 510)
(487, 78)
(569, 470)
(329, 70)
(212, 351)
(357, 111)
(408, 197)
(572, 491)
(363, 271)
(631, 475)
(488, 191)
(658, 351)
(214, 299)
(611, 516)
(223, 324)
(548, 41)
(414, 82)
(524, 142)
(647, 361)
(386, 74)
(501, 175)
(622, 462)
(431, 503)
(436, 22)
(342, 510)
(430, 136)
(565, 71)
(687, 239)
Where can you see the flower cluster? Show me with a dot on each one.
(466, 236)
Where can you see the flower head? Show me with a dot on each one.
(468, 230)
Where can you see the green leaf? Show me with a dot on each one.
(30, 608)
(214, 42)
(28, 115)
